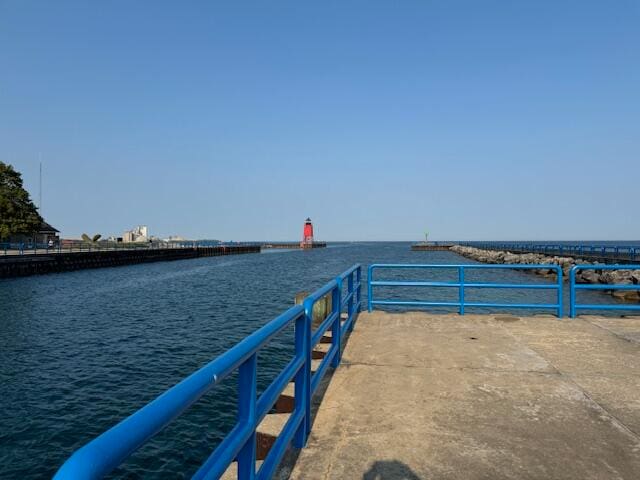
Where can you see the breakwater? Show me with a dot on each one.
(621, 277)
(24, 265)
(293, 245)
(431, 247)
(593, 252)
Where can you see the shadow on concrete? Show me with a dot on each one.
(390, 470)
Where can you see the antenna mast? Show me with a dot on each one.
(40, 190)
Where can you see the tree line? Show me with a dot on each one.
(18, 214)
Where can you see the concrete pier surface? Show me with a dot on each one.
(425, 396)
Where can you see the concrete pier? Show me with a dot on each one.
(293, 245)
(423, 396)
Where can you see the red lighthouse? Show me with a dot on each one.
(307, 234)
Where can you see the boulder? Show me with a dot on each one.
(627, 295)
(587, 276)
(620, 277)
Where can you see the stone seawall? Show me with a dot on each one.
(624, 277)
(24, 265)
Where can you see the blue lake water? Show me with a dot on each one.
(79, 351)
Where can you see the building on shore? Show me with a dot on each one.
(137, 234)
(44, 234)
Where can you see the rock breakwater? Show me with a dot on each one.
(622, 277)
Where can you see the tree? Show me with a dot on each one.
(18, 214)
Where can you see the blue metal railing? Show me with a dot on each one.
(106, 452)
(614, 252)
(462, 285)
(574, 287)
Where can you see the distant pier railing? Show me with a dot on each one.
(74, 246)
(462, 286)
(109, 450)
(54, 262)
(603, 253)
(574, 306)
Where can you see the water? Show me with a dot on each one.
(79, 351)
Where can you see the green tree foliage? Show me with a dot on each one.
(18, 214)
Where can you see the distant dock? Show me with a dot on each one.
(25, 265)
(431, 247)
(293, 245)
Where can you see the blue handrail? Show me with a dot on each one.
(574, 287)
(462, 285)
(103, 454)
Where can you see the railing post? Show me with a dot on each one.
(306, 398)
(572, 291)
(560, 299)
(461, 288)
(359, 289)
(303, 377)
(247, 392)
(369, 288)
(336, 328)
(350, 304)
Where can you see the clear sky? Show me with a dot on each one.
(237, 120)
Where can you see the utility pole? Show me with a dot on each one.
(40, 189)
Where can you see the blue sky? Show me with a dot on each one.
(237, 120)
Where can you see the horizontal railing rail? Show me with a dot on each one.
(106, 452)
(625, 252)
(574, 306)
(462, 285)
(66, 246)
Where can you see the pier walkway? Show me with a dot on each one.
(426, 396)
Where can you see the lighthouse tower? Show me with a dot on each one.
(307, 234)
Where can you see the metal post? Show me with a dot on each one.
(359, 290)
(351, 300)
(572, 292)
(302, 383)
(247, 393)
(336, 330)
(560, 292)
(369, 288)
(306, 397)
(461, 289)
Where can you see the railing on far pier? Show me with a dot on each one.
(106, 452)
(462, 285)
(629, 253)
(574, 287)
